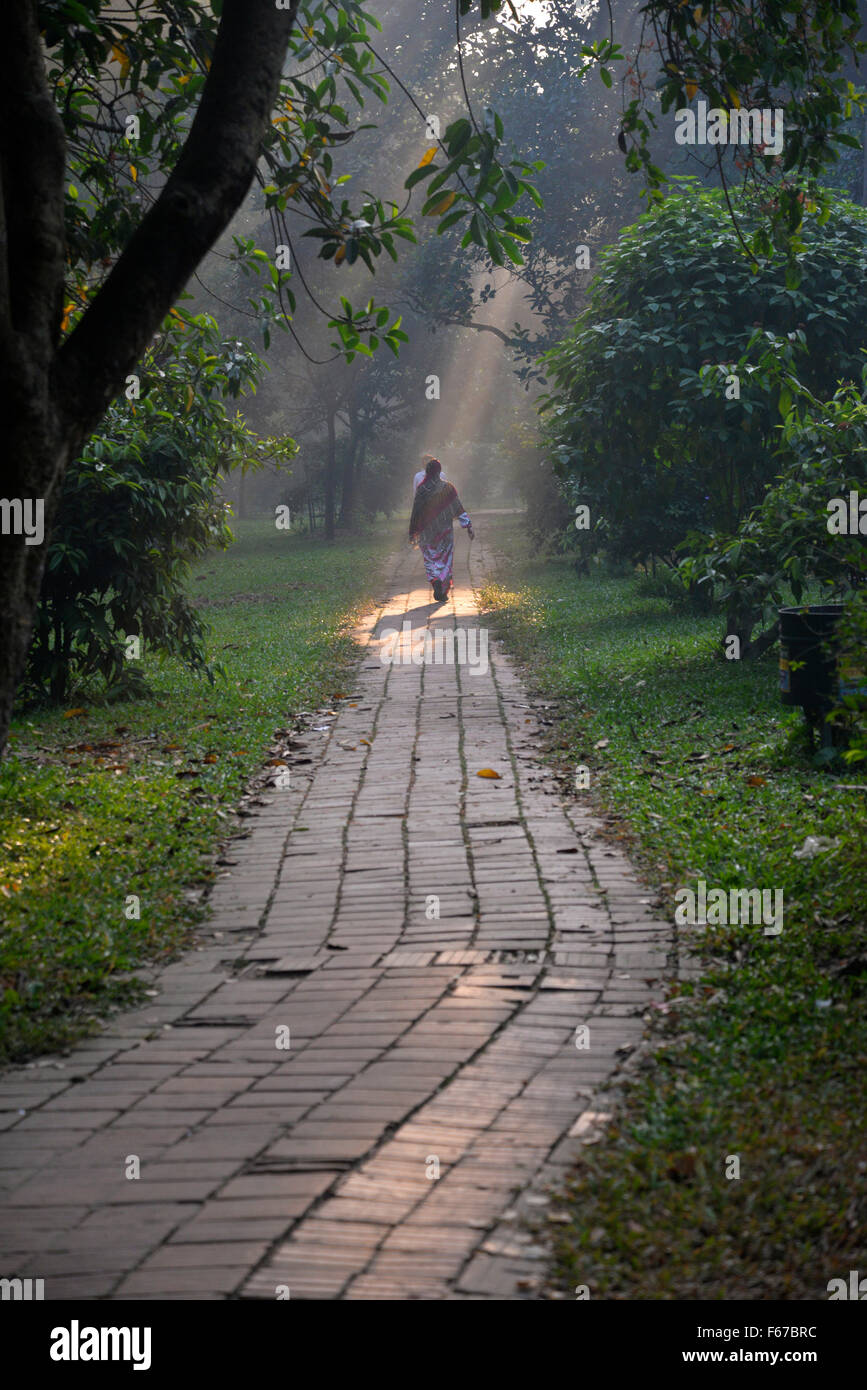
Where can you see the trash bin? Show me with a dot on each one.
(808, 660)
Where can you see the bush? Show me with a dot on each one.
(659, 413)
(138, 505)
(783, 551)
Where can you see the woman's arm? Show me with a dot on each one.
(467, 524)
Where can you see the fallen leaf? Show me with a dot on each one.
(71, 713)
(682, 1166)
(603, 743)
(488, 772)
(757, 781)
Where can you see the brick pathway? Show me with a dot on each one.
(417, 1043)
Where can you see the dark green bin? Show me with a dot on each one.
(807, 643)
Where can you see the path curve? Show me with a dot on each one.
(432, 1088)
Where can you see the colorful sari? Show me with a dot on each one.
(434, 508)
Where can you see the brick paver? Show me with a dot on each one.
(432, 940)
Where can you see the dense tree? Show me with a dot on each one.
(659, 418)
(740, 55)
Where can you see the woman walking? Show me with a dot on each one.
(434, 508)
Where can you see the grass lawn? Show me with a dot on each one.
(98, 803)
(704, 775)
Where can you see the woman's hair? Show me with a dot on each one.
(432, 466)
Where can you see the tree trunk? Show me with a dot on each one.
(347, 488)
(330, 477)
(358, 472)
(764, 641)
(54, 396)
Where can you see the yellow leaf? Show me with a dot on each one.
(691, 89)
(756, 781)
(365, 741)
(210, 758)
(488, 772)
(443, 205)
(698, 14)
(71, 713)
(120, 57)
(182, 81)
(64, 322)
(189, 399)
(735, 99)
(340, 255)
(133, 173)
(427, 156)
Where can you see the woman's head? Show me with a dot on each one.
(432, 466)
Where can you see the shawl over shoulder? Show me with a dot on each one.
(435, 505)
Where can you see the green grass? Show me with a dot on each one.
(98, 803)
(706, 776)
